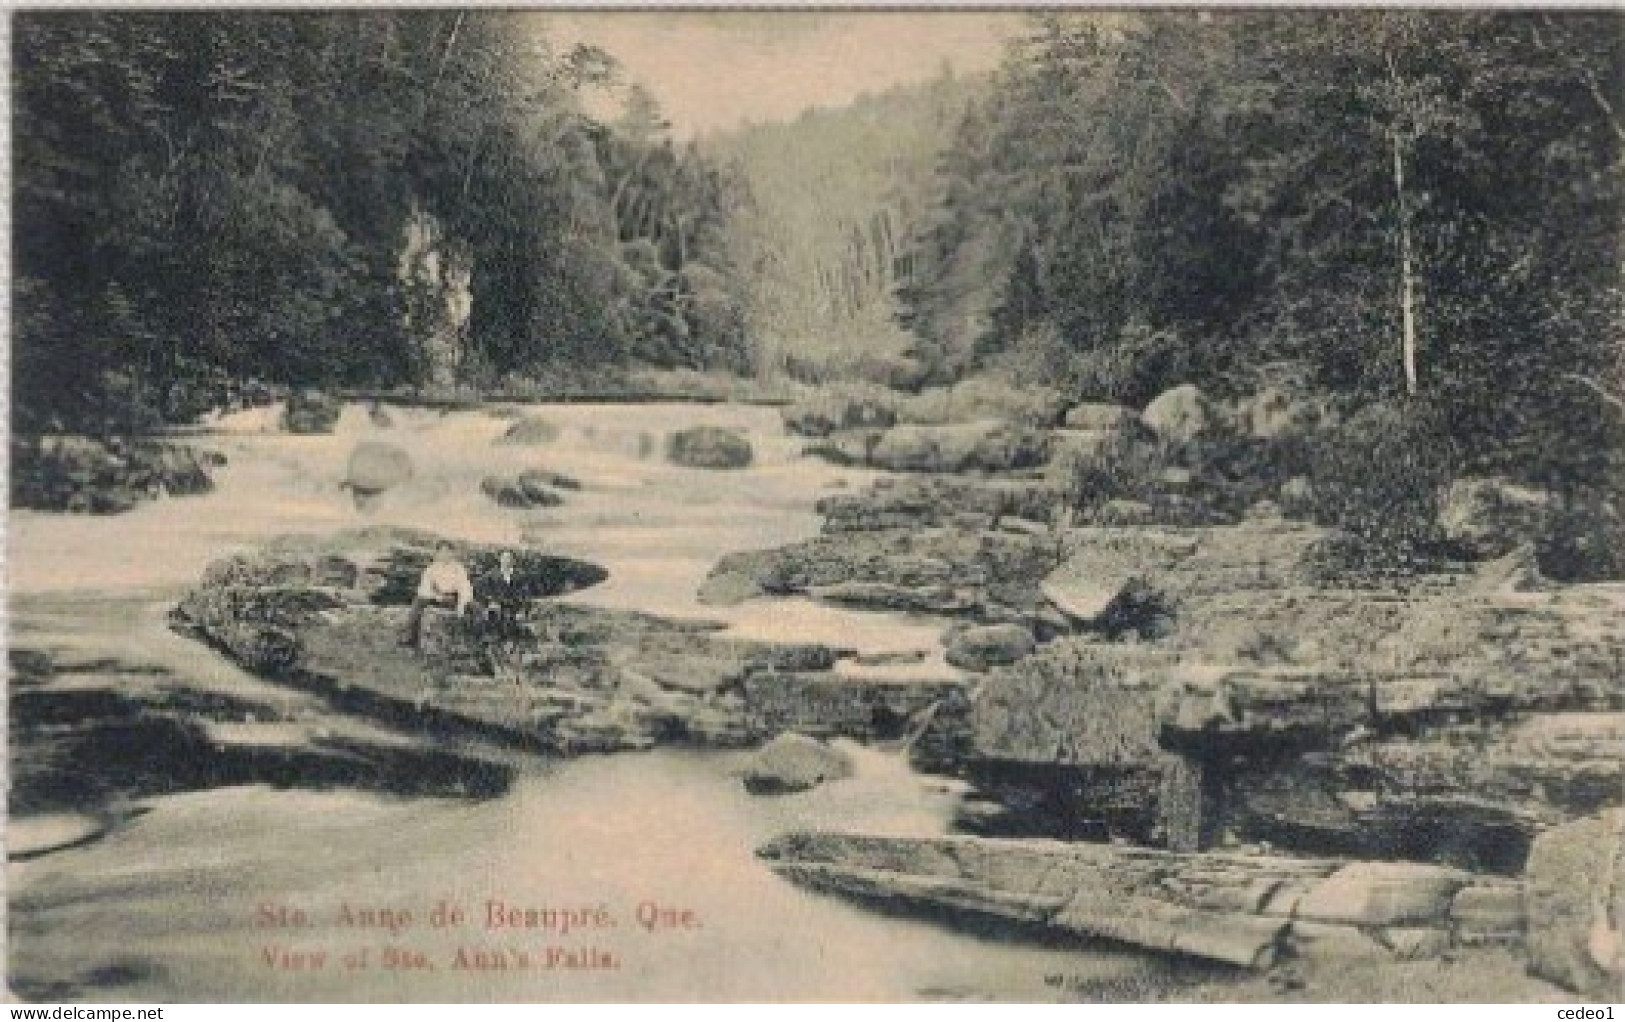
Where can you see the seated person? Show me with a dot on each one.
(444, 583)
(502, 596)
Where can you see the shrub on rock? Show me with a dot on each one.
(1097, 465)
(1378, 477)
(1584, 539)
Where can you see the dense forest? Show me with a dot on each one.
(1414, 210)
(341, 199)
(1409, 205)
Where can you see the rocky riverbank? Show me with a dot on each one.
(1213, 671)
(1140, 652)
(104, 720)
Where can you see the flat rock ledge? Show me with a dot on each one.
(1246, 911)
(329, 615)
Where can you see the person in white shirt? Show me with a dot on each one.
(444, 583)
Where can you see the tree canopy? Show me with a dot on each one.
(230, 194)
(1421, 204)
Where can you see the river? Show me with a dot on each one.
(230, 893)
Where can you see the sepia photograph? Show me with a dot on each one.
(1022, 505)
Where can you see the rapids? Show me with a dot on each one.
(181, 901)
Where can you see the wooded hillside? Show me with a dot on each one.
(1419, 205)
(340, 199)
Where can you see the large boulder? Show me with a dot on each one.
(311, 411)
(1083, 601)
(1178, 416)
(1489, 517)
(793, 762)
(977, 446)
(1099, 415)
(376, 466)
(530, 430)
(709, 447)
(1574, 898)
(981, 648)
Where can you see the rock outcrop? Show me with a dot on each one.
(984, 399)
(331, 614)
(928, 502)
(1574, 898)
(826, 704)
(86, 476)
(1450, 720)
(985, 576)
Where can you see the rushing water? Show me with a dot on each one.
(200, 896)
